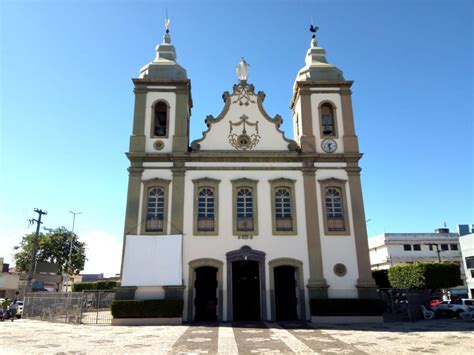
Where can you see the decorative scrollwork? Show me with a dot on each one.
(243, 140)
(244, 94)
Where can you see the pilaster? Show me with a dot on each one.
(308, 142)
(365, 283)
(133, 205)
(177, 198)
(180, 138)
(317, 285)
(137, 140)
(351, 144)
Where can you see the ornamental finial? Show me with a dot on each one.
(313, 30)
(167, 22)
(242, 69)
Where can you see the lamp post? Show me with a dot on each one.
(70, 246)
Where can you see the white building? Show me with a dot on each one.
(388, 249)
(244, 223)
(467, 251)
(8, 282)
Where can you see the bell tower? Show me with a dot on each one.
(324, 129)
(162, 103)
(160, 132)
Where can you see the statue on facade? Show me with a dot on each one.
(242, 69)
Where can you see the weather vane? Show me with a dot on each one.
(313, 28)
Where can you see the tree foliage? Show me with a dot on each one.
(425, 275)
(96, 285)
(53, 246)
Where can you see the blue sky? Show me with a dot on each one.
(67, 101)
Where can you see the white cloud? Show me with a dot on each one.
(103, 252)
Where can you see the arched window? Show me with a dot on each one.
(245, 209)
(334, 209)
(205, 209)
(327, 120)
(155, 209)
(160, 125)
(283, 209)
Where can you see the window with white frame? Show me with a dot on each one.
(155, 209)
(245, 218)
(206, 209)
(334, 209)
(283, 220)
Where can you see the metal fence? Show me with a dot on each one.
(86, 307)
(403, 304)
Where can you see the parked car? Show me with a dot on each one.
(19, 309)
(451, 308)
(466, 302)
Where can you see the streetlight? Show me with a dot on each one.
(70, 244)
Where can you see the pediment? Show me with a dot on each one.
(243, 125)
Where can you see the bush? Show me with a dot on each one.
(425, 275)
(147, 308)
(97, 285)
(346, 307)
(381, 278)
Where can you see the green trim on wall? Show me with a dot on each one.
(290, 184)
(236, 184)
(147, 185)
(199, 184)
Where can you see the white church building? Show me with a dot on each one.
(244, 223)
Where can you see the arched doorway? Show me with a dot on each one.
(245, 290)
(246, 284)
(205, 290)
(285, 293)
(205, 300)
(287, 289)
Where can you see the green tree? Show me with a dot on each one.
(425, 275)
(53, 246)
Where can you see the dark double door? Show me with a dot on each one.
(205, 301)
(286, 301)
(246, 290)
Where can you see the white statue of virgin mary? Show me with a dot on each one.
(242, 69)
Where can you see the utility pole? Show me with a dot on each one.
(70, 247)
(34, 248)
(437, 250)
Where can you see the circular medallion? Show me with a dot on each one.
(340, 269)
(244, 141)
(329, 145)
(159, 145)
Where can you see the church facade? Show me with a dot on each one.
(244, 223)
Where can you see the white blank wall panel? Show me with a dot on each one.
(152, 260)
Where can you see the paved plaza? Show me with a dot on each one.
(434, 337)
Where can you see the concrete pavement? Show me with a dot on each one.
(436, 337)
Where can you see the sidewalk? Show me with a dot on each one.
(435, 337)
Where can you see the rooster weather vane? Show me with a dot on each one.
(314, 29)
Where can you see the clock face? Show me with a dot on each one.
(329, 145)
